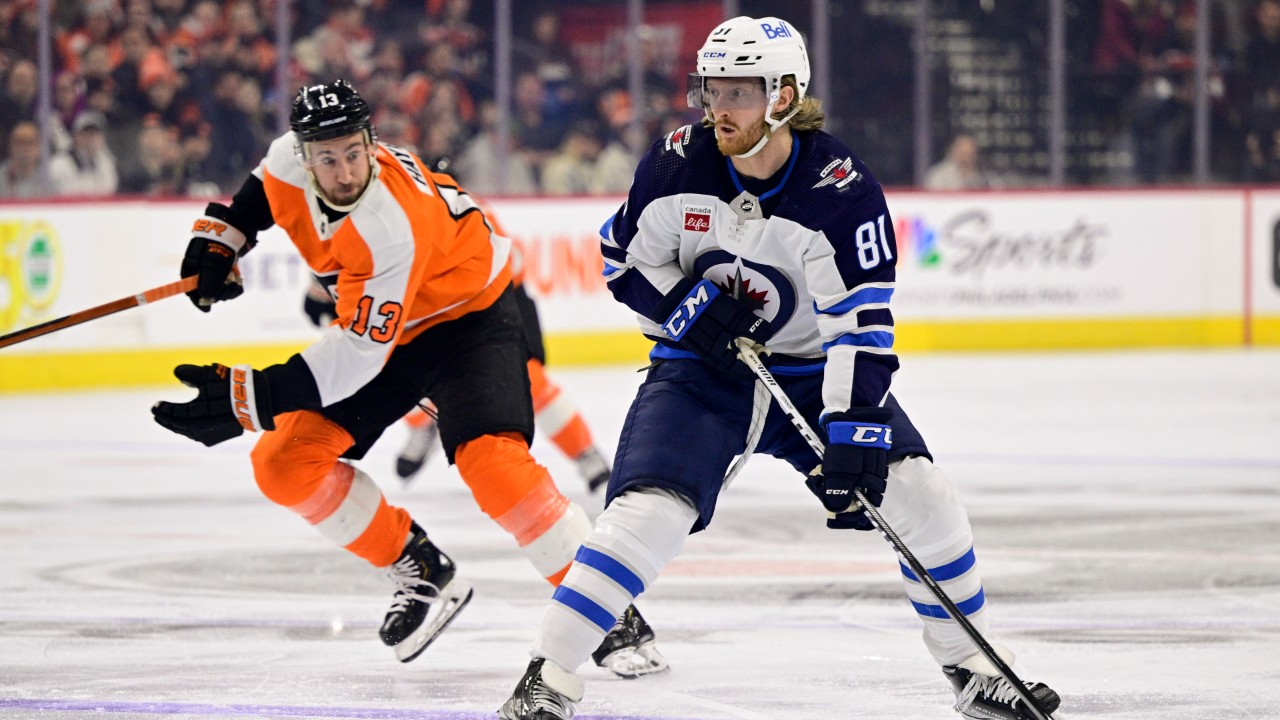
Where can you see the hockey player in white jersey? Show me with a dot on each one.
(757, 224)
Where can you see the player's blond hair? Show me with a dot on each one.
(811, 115)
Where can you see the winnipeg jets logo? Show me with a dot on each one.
(840, 172)
(677, 139)
(747, 205)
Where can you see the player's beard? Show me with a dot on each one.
(343, 195)
(742, 140)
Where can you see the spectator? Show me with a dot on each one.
(485, 171)
(344, 44)
(546, 55)
(20, 175)
(19, 102)
(1262, 139)
(437, 93)
(198, 178)
(572, 171)
(452, 26)
(1262, 57)
(247, 45)
(537, 132)
(97, 28)
(238, 150)
(89, 169)
(156, 169)
(68, 102)
(960, 169)
(143, 63)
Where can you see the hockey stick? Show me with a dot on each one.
(115, 306)
(789, 409)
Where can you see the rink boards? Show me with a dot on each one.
(976, 271)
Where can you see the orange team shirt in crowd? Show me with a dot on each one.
(416, 251)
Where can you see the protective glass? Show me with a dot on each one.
(737, 93)
(329, 160)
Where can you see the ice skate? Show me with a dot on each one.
(546, 692)
(427, 597)
(983, 696)
(418, 449)
(593, 468)
(628, 651)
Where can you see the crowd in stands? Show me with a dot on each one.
(179, 97)
(1143, 62)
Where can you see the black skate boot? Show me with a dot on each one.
(991, 697)
(546, 692)
(628, 651)
(427, 597)
(418, 449)
(593, 468)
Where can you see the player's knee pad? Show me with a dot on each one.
(644, 529)
(500, 472)
(290, 462)
(923, 507)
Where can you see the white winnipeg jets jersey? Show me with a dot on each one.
(811, 250)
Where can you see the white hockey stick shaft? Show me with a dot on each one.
(789, 409)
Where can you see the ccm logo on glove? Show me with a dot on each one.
(848, 433)
(695, 301)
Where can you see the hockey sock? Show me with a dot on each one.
(924, 508)
(518, 493)
(297, 466)
(634, 539)
(555, 415)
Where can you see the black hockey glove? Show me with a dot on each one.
(857, 458)
(212, 253)
(229, 401)
(319, 307)
(707, 321)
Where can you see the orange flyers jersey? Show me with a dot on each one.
(414, 252)
(517, 256)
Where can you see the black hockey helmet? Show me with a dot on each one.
(327, 111)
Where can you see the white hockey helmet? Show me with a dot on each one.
(768, 48)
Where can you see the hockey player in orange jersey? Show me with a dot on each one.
(553, 412)
(425, 309)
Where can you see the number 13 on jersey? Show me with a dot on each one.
(388, 311)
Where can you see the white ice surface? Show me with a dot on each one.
(1126, 507)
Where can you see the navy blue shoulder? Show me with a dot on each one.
(829, 184)
(684, 160)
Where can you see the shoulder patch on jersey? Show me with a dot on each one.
(406, 161)
(677, 139)
(839, 172)
(697, 218)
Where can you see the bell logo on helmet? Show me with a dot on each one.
(774, 32)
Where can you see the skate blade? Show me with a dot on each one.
(453, 598)
(633, 662)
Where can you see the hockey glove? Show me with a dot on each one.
(707, 321)
(857, 458)
(215, 245)
(319, 307)
(229, 401)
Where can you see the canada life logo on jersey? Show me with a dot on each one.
(678, 138)
(840, 172)
(697, 218)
